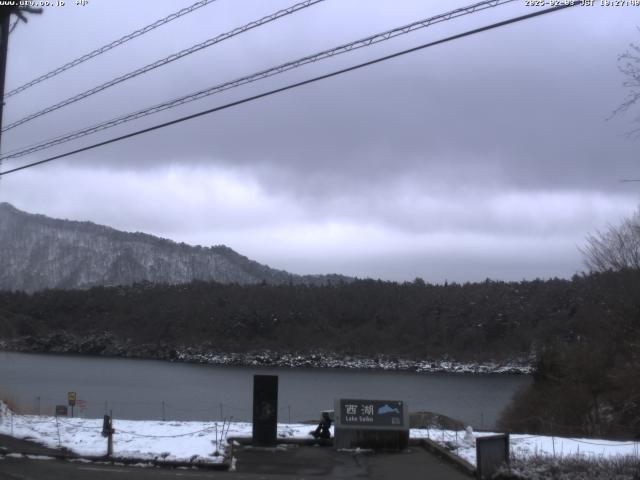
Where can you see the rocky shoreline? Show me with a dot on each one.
(105, 344)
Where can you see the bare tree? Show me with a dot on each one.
(629, 66)
(616, 248)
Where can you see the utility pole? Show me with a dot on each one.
(4, 39)
(5, 22)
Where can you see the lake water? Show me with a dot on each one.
(149, 389)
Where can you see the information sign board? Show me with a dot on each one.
(377, 424)
(371, 413)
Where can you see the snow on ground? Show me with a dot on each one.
(525, 446)
(144, 440)
(198, 441)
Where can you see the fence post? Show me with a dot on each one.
(163, 415)
(107, 431)
(110, 443)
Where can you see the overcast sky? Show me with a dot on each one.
(489, 156)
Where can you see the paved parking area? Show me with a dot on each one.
(282, 463)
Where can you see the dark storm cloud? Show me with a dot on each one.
(528, 101)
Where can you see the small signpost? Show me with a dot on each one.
(61, 411)
(371, 424)
(82, 405)
(71, 397)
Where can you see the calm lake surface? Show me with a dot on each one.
(149, 389)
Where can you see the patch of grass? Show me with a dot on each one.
(574, 467)
(434, 420)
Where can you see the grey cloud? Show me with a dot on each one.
(424, 143)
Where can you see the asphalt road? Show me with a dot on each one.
(252, 464)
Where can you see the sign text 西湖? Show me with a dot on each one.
(379, 413)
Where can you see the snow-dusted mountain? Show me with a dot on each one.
(38, 252)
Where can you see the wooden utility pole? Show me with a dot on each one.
(4, 39)
(5, 26)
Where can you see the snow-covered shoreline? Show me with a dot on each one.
(331, 360)
(106, 346)
(205, 442)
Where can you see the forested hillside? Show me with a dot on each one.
(471, 321)
(38, 252)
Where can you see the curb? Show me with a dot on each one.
(452, 458)
(56, 456)
(303, 442)
(224, 465)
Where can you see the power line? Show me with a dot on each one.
(294, 85)
(164, 61)
(332, 52)
(255, 97)
(109, 46)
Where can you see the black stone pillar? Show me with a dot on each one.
(265, 410)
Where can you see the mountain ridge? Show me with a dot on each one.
(39, 252)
